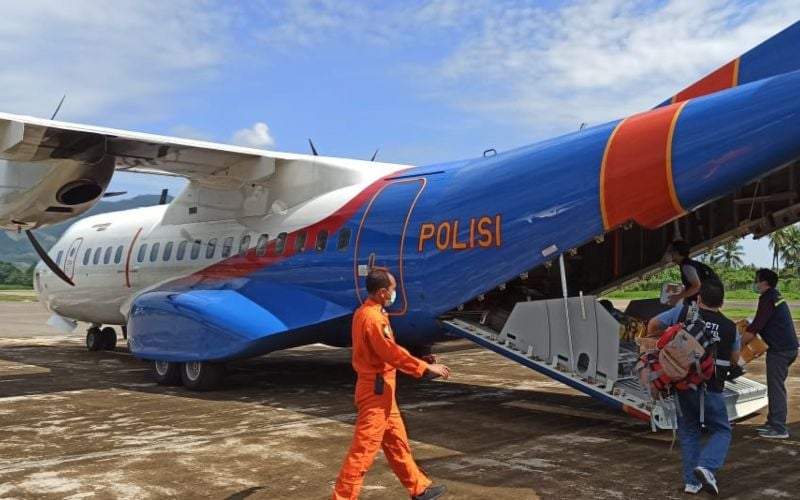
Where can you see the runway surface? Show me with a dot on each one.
(75, 424)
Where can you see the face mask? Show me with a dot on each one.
(391, 299)
(756, 289)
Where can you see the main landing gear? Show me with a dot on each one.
(194, 375)
(101, 339)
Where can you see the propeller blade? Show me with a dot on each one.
(163, 199)
(58, 108)
(374, 154)
(47, 260)
(313, 149)
(114, 193)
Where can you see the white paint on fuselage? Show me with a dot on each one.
(104, 291)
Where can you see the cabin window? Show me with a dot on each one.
(211, 248)
(344, 240)
(300, 242)
(58, 259)
(96, 258)
(261, 245)
(107, 255)
(167, 251)
(227, 245)
(142, 252)
(154, 252)
(280, 244)
(86, 256)
(196, 249)
(244, 245)
(322, 240)
(118, 255)
(181, 250)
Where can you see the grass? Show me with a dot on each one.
(730, 295)
(7, 297)
(14, 287)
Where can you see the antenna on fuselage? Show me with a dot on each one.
(313, 149)
(163, 199)
(58, 108)
(374, 154)
(583, 126)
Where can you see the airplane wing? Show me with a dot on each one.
(28, 139)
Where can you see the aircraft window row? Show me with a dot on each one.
(95, 254)
(109, 254)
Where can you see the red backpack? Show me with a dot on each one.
(684, 358)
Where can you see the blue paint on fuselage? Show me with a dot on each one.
(546, 194)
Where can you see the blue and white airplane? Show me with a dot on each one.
(265, 251)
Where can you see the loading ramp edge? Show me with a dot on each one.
(623, 393)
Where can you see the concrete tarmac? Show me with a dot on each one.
(77, 425)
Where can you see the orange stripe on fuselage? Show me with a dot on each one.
(636, 173)
(724, 78)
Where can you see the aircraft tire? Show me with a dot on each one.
(94, 339)
(109, 338)
(166, 373)
(202, 375)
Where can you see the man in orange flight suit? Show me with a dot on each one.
(376, 359)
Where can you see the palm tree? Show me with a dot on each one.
(729, 255)
(777, 243)
(790, 247)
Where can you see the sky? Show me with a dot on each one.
(423, 80)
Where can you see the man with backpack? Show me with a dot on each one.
(703, 403)
(693, 273)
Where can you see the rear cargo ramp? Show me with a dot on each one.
(577, 342)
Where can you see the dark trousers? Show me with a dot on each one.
(778, 363)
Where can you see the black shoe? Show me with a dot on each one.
(432, 493)
(735, 372)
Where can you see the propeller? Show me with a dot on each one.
(374, 154)
(58, 108)
(313, 149)
(114, 193)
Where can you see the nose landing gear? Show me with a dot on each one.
(101, 340)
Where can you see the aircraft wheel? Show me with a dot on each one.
(94, 339)
(109, 338)
(166, 372)
(202, 375)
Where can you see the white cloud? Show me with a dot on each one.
(257, 136)
(128, 59)
(594, 61)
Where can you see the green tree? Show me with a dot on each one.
(729, 255)
(777, 243)
(790, 247)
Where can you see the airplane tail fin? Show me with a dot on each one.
(775, 56)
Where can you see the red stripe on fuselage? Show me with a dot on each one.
(724, 78)
(636, 175)
(128, 259)
(243, 265)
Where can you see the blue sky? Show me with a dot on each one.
(423, 80)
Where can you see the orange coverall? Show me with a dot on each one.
(375, 354)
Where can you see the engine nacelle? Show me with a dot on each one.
(41, 193)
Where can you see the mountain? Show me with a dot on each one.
(18, 249)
